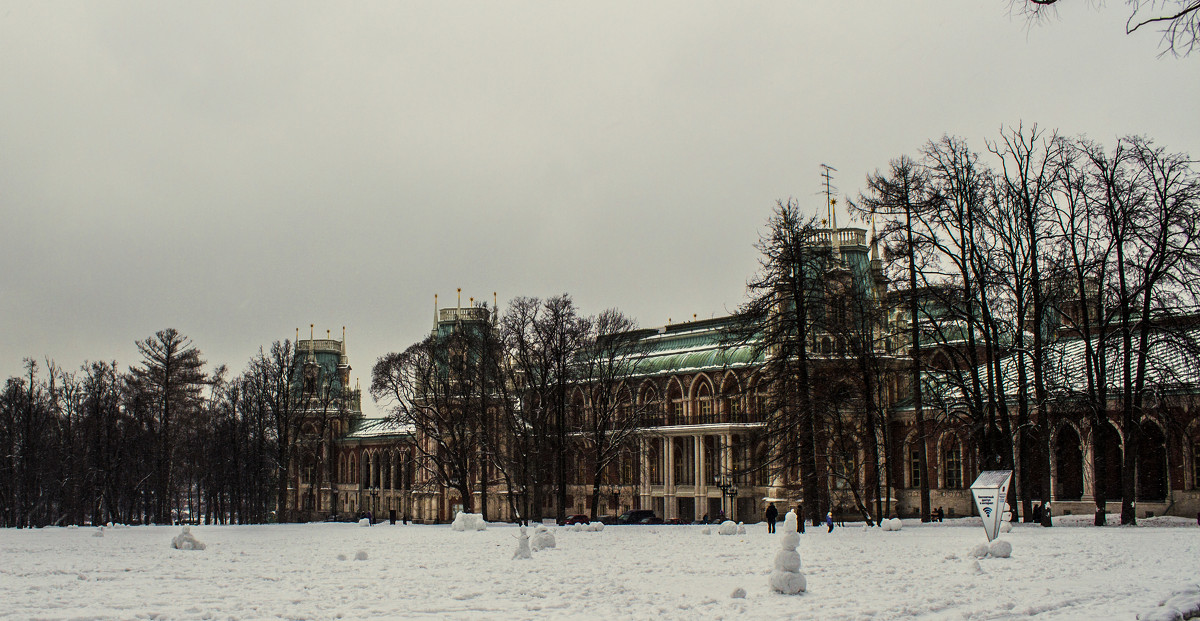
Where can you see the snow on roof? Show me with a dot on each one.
(381, 427)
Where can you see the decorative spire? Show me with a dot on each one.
(874, 240)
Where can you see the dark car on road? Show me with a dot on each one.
(640, 516)
(577, 519)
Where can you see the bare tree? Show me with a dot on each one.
(608, 360)
(435, 386)
(1179, 20)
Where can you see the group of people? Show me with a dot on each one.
(772, 516)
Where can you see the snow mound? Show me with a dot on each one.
(741, 529)
(738, 593)
(996, 549)
(361, 555)
(186, 541)
(468, 521)
(1183, 604)
(523, 551)
(364, 522)
(728, 527)
(99, 532)
(706, 531)
(1000, 549)
(1006, 526)
(595, 527)
(341, 557)
(542, 539)
(893, 524)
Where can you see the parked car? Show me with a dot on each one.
(639, 516)
(578, 518)
(607, 520)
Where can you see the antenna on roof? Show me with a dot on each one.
(831, 205)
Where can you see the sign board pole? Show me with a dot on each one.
(990, 490)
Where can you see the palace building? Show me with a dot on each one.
(705, 446)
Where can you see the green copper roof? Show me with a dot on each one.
(696, 346)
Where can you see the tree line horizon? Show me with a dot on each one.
(988, 256)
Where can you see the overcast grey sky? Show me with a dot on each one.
(238, 170)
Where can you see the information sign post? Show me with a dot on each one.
(989, 490)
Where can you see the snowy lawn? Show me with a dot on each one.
(624, 572)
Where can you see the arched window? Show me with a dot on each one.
(844, 470)
(651, 404)
(913, 452)
(675, 405)
(953, 466)
(704, 404)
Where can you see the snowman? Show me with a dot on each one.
(786, 577)
(523, 550)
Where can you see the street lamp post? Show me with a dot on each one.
(728, 490)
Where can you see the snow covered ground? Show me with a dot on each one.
(624, 572)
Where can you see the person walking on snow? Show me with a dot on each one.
(772, 515)
(829, 521)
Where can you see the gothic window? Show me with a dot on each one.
(734, 407)
(843, 470)
(706, 406)
(914, 468)
(953, 463)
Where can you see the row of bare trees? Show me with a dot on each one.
(517, 399)
(161, 442)
(1058, 238)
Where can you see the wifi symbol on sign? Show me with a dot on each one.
(987, 511)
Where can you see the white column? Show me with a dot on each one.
(700, 503)
(669, 478)
(644, 474)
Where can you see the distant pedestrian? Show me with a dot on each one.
(772, 515)
(829, 521)
(941, 514)
(1037, 513)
